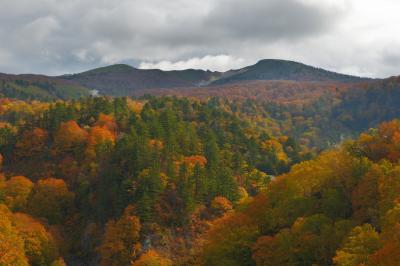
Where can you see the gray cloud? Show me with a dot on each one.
(271, 20)
(56, 36)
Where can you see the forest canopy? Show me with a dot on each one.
(182, 181)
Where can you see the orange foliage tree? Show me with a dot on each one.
(268, 251)
(383, 143)
(32, 142)
(99, 137)
(107, 122)
(69, 137)
(195, 159)
(388, 254)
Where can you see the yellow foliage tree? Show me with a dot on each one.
(40, 247)
(358, 246)
(152, 258)
(16, 192)
(120, 244)
(11, 243)
(50, 199)
(58, 262)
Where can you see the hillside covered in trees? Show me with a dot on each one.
(341, 208)
(39, 87)
(179, 181)
(124, 80)
(120, 181)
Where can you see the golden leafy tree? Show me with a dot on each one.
(275, 146)
(365, 195)
(40, 247)
(120, 244)
(152, 258)
(58, 262)
(388, 189)
(221, 205)
(50, 199)
(358, 246)
(17, 191)
(11, 243)
(228, 241)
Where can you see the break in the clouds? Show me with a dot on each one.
(57, 36)
(216, 63)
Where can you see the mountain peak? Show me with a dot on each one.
(277, 69)
(116, 68)
(272, 61)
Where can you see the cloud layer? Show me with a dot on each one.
(56, 36)
(215, 63)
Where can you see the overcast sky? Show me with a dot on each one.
(360, 37)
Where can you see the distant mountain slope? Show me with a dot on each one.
(282, 91)
(125, 80)
(272, 69)
(368, 104)
(120, 80)
(39, 87)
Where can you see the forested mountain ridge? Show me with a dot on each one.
(39, 87)
(341, 208)
(125, 80)
(274, 69)
(122, 80)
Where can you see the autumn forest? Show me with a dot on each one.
(275, 179)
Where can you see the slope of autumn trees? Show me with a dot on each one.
(107, 181)
(179, 181)
(342, 208)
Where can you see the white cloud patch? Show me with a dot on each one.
(209, 62)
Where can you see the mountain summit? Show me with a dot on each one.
(274, 69)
